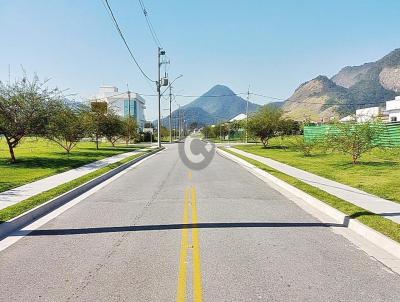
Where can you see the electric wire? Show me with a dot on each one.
(236, 94)
(150, 25)
(115, 22)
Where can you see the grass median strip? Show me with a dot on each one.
(374, 221)
(27, 204)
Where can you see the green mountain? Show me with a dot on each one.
(222, 103)
(218, 104)
(353, 87)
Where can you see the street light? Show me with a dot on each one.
(170, 101)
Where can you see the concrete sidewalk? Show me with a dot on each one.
(10, 197)
(372, 203)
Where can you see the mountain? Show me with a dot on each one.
(314, 99)
(353, 87)
(226, 106)
(191, 115)
(219, 103)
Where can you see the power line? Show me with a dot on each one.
(318, 103)
(150, 25)
(210, 96)
(110, 96)
(236, 94)
(266, 96)
(108, 7)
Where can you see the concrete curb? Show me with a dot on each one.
(26, 218)
(359, 228)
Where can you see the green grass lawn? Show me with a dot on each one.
(378, 172)
(39, 158)
(27, 204)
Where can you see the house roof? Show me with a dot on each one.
(238, 117)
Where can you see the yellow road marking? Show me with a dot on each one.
(197, 290)
(181, 291)
(190, 197)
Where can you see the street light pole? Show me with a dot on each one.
(170, 113)
(129, 116)
(170, 104)
(159, 98)
(247, 113)
(179, 121)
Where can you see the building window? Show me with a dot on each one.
(393, 118)
(133, 108)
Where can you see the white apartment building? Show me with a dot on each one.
(393, 109)
(120, 104)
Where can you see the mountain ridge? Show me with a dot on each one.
(353, 87)
(219, 103)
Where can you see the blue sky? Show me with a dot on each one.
(272, 45)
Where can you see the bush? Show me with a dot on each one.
(305, 147)
(354, 138)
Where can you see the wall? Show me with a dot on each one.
(389, 134)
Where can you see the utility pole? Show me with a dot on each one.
(129, 116)
(183, 123)
(179, 121)
(247, 113)
(170, 117)
(220, 131)
(160, 53)
(159, 98)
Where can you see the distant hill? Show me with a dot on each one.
(222, 103)
(353, 87)
(219, 103)
(314, 99)
(191, 115)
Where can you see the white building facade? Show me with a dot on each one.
(367, 114)
(393, 109)
(119, 102)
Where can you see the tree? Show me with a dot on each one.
(112, 127)
(265, 123)
(290, 127)
(23, 110)
(97, 114)
(164, 132)
(193, 126)
(67, 124)
(130, 129)
(354, 138)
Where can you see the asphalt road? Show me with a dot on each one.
(244, 242)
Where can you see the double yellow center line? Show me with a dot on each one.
(190, 200)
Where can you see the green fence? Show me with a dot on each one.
(389, 134)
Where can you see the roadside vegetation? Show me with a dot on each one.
(261, 126)
(376, 172)
(348, 153)
(43, 133)
(377, 222)
(28, 108)
(32, 202)
(39, 158)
